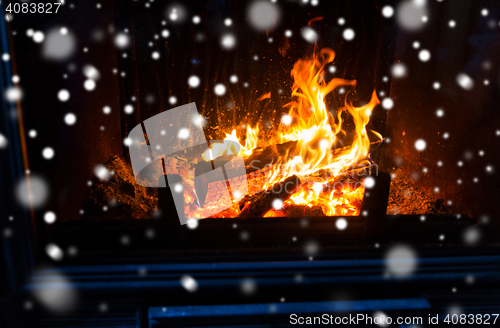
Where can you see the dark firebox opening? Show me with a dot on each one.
(423, 181)
(441, 179)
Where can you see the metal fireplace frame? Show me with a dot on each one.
(142, 288)
(140, 282)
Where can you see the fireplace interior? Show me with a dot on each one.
(318, 103)
(260, 99)
(337, 132)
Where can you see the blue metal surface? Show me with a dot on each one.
(287, 308)
(269, 266)
(272, 274)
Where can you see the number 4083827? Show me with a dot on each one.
(32, 8)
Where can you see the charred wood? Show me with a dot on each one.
(259, 204)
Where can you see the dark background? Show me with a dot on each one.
(471, 118)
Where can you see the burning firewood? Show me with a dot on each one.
(262, 158)
(259, 204)
(294, 210)
(307, 144)
(280, 153)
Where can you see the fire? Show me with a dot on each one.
(317, 134)
(227, 148)
(346, 201)
(251, 141)
(315, 129)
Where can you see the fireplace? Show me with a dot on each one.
(248, 149)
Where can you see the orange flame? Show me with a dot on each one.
(317, 134)
(345, 201)
(314, 128)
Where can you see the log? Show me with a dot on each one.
(261, 203)
(259, 167)
(297, 211)
(261, 158)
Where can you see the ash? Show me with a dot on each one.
(405, 198)
(119, 196)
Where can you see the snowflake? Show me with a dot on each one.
(424, 55)
(420, 145)
(70, 119)
(348, 34)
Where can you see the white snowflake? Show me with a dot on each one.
(341, 224)
(3, 141)
(38, 37)
(410, 15)
(54, 252)
(420, 145)
(189, 283)
(248, 286)
(465, 81)
(128, 109)
(399, 70)
(387, 103)
(63, 95)
(277, 204)
(13, 94)
(228, 41)
(48, 153)
(220, 89)
(102, 173)
(183, 133)
(192, 223)
(309, 34)
(89, 85)
(387, 11)
(194, 81)
(348, 34)
(424, 55)
(401, 261)
(286, 119)
(122, 40)
(70, 118)
(49, 217)
(263, 15)
(369, 182)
